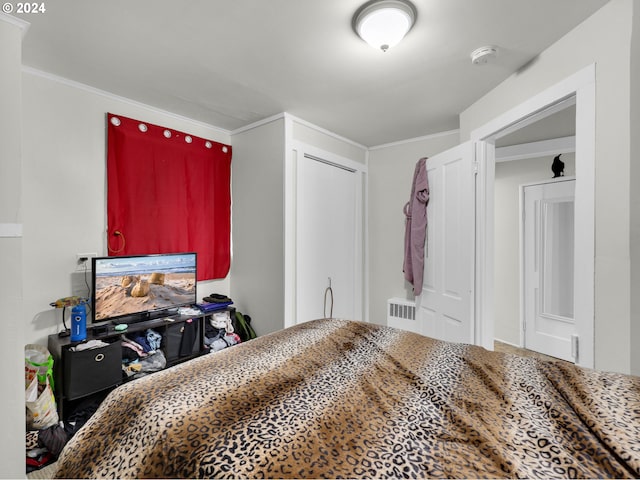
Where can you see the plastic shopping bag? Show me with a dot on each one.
(42, 411)
(41, 407)
(38, 362)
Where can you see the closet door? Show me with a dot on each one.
(326, 225)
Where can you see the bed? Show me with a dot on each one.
(345, 399)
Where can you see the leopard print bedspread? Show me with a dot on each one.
(343, 399)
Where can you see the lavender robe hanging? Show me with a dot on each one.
(416, 227)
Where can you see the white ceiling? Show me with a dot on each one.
(230, 63)
(560, 124)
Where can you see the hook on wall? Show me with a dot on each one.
(329, 291)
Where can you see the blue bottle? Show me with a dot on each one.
(78, 323)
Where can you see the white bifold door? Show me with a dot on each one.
(445, 306)
(328, 220)
(548, 278)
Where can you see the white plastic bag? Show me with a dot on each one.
(42, 411)
(41, 407)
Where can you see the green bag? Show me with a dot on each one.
(243, 327)
(37, 362)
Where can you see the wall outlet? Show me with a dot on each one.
(83, 261)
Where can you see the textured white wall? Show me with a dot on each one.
(391, 171)
(64, 188)
(509, 177)
(603, 39)
(634, 179)
(306, 133)
(11, 258)
(257, 268)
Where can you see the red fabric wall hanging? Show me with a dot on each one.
(168, 192)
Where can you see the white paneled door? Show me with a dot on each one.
(445, 307)
(326, 254)
(548, 260)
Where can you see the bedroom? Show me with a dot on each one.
(54, 114)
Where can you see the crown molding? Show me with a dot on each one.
(538, 149)
(324, 130)
(112, 96)
(288, 117)
(416, 139)
(257, 124)
(18, 22)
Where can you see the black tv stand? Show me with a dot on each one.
(79, 374)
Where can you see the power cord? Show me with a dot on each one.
(66, 332)
(86, 282)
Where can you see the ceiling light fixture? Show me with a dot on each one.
(383, 23)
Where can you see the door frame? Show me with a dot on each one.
(296, 152)
(581, 87)
(522, 254)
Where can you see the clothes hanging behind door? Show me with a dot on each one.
(415, 211)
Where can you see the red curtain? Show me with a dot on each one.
(168, 192)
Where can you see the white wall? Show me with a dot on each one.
(259, 182)
(304, 138)
(309, 134)
(391, 169)
(11, 252)
(634, 180)
(64, 199)
(603, 39)
(509, 177)
(257, 267)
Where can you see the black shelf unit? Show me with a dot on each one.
(82, 374)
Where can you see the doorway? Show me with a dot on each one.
(547, 253)
(524, 158)
(326, 239)
(578, 89)
(324, 235)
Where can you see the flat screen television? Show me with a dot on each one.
(131, 289)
